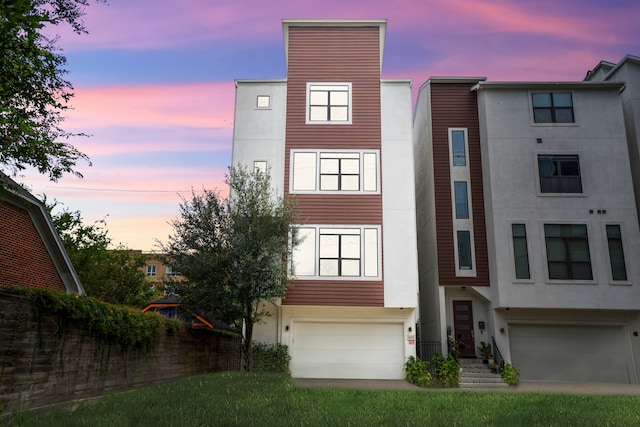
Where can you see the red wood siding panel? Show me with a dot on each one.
(333, 54)
(453, 105)
(24, 259)
(335, 292)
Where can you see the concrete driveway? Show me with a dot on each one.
(523, 387)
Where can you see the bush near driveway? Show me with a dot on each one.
(244, 399)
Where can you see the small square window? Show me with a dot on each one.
(151, 270)
(263, 101)
(260, 166)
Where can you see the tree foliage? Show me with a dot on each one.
(114, 276)
(34, 94)
(233, 251)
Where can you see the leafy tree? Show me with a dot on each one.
(34, 94)
(114, 276)
(233, 251)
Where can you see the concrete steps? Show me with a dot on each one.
(476, 374)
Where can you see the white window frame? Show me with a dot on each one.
(260, 102)
(260, 166)
(368, 184)
(368, 259)
(316, 85)
(151, 270)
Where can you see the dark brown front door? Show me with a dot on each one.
(463, 328)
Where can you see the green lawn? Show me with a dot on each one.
(239, 399)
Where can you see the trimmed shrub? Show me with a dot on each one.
(270, 357)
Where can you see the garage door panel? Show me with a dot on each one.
(569, 353)
(347, 350)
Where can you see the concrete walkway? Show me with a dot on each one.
(523, 387)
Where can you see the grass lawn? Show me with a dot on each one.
(240, 399)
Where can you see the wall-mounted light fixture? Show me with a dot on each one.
(635, 333)
(286, 328)
(410, 329)
(502, 330)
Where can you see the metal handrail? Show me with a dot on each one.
(496, 353)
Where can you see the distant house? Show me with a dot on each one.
(157, 271)
(31, 251)
(169, 306)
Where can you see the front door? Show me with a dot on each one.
(463, 328)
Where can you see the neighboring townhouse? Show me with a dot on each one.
(627, 71)
(31, 252)
(339, 138)
(527, 225)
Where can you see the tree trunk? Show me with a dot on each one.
(248, 342)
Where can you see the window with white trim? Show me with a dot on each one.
(263, 101)
(151, 270)
(461, 199)
(328, 103)
(334, 171)
(260, 166)
(347, 252)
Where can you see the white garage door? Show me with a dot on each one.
(347, 350)
(569, 353)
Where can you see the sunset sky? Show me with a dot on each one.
(154, 81)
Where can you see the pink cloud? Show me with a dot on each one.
(204, 105)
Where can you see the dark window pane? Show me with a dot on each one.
(568, 254)
(616, 253)
(562, 99)
(520, 252)
(461, 199)
(464, 250)
(541, 99)
(559, 173)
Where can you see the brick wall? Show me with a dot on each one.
(24, 260)
(42, 364)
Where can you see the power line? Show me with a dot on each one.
(122, 190)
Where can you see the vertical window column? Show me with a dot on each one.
(462, 212)
(616, 253)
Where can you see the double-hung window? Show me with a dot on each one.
(559, 173)
(334, 171)
(349, 252)
(329, 103)
(568, 251)
(151, 270)
(552, 107)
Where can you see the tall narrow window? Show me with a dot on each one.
(151, 270)
(552, 107)
(461, 199)
(458, 149)
(616, 254)
(568, 251)
(520, 252)
(464, 250)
